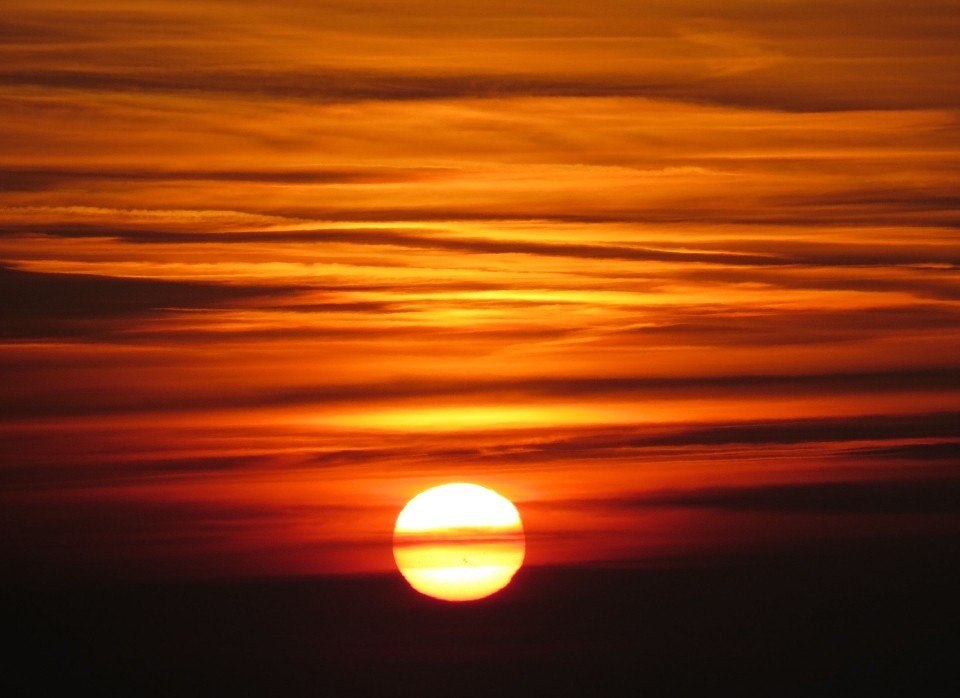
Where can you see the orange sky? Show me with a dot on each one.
(675, 277)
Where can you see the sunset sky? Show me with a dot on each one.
(676, 278)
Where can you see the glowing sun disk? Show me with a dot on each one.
(458, 542)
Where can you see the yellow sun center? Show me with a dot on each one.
(458, 542)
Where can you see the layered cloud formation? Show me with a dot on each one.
(675, 278)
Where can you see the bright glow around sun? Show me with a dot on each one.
(458, 542)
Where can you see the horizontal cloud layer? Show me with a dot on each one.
(677, 278)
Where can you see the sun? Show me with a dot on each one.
(458, 542)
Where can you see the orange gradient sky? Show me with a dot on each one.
(676, 278)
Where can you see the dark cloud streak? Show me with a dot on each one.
(815, 254)
(58, 305)
(338, 86)
(942, 379)
(47, 179)
(891, 497)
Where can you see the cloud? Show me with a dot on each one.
(127, 537)
(47, 179)
(25, 476)
(842, 93)
(948, 451)
(796, 57)
(64, 305)
(370, 395)
(737, 253)
(818, 430)
(722, 326)
(934, 496)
